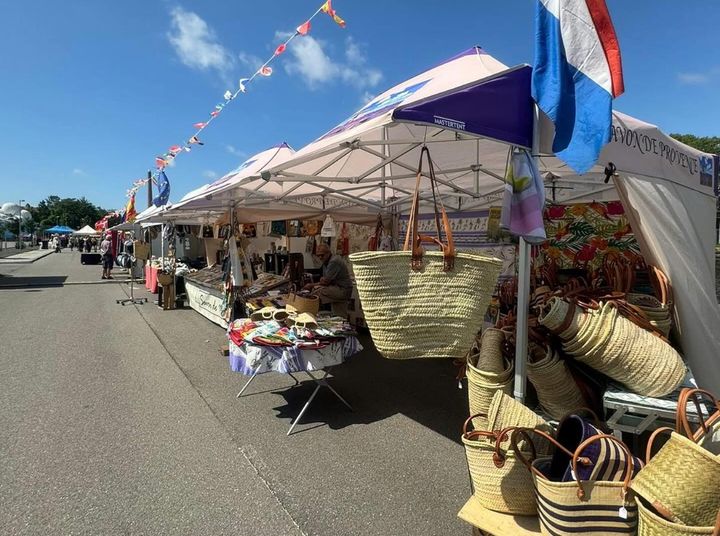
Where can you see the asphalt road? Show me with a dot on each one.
(124, 420)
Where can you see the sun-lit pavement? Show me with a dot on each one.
(123, 420)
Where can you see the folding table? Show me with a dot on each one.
(251, 360)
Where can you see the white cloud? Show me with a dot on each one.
(251, 61)
(312, 63)
(210, 174)
(79, 172)
(195, 43)
(236, 152)
(693, 78)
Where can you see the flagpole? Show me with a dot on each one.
(149, 184)
(523, 298)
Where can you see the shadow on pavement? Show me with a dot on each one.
(37, 281)
(424, 390)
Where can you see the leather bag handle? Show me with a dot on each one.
(413, 239)
(682, 423)
(629, 466)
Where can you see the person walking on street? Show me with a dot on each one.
(107, 259)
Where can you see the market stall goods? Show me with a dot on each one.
(677, 480)
(482, 385)
(499, 480)
(651, 524)
(556, 389)
(597, 506)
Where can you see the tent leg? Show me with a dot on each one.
(523, 304)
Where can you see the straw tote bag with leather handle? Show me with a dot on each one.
(682, 481)
(421, 304)
(594, 507)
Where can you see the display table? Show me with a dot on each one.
(252, 360)
(493, 523)
(206, 300)
(151, 282)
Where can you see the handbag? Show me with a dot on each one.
(651, 524)
(591, 506)
(682, 480)
(708, 434)
(421, 304)
(499, 481)
(142, 250)
(374, 240)
(303, 304)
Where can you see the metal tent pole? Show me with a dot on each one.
(523, 299)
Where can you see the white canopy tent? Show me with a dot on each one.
(470, 111)
(86, 231)
(213, 201)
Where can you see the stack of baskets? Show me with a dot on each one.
(487, 372)
(617, 347)
(556, 389)
(657, 312)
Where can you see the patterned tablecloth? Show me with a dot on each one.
(285, 359)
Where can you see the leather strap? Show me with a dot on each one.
(413, 239)
(682, 423)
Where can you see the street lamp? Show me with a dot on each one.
(20, 224)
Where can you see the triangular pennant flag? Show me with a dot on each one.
(175, 149)
(340, 22)
(220, 106)
(304, 28)
(195, 139)
(327, 8)
(280, 49)
(228, 95)
(160, 162)
(186, 149)
(265, 71)
(215, 113)
(242, 85)
(199, 125)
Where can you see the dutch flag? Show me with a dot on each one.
(576, 75)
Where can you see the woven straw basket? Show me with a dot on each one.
(590, 507)
(165, 279)
(556, 313)
(500, 482)
(482, 386)
(682, 481)
(489, 357)
(506, 412)
(651, 524)
(613, 345)
(556, 389)
(425, 313)
(303, 304)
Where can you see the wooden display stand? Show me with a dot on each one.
(486, 521)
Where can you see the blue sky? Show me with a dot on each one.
(92, 90)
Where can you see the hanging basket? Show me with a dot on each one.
(421, 304)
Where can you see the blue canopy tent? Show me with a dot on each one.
(60, 229)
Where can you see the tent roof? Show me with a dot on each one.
(87, 230)
(60, 229)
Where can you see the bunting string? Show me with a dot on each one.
(265, 70)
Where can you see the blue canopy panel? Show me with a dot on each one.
(500, 108)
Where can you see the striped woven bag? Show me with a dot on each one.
(589, 507)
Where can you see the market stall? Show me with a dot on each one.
(636, 321)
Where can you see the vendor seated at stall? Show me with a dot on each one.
(335, 286)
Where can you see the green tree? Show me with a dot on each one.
(72, 212)
(706, 144)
